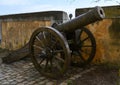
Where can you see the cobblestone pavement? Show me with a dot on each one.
(21, 73)
(24, 73)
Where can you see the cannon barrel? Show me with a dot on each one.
(89, 17)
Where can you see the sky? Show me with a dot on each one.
(69, 6)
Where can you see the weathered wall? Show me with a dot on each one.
(17, 28)
(107, 34)
(17, 34)
(107, 37)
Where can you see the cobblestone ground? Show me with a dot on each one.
(24, 73)
(21, 73)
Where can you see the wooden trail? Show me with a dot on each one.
(17, 54)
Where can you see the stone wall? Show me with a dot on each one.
(107, 35)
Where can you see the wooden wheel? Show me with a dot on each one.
(49, 52)
(84, 48)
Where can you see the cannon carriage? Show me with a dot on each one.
(53, 49)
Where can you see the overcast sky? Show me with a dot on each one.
(26, 6)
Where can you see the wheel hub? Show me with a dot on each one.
(46, 53)
(49, 53)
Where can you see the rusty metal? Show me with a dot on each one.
(89, 17)
(53, 47)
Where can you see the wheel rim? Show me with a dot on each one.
(86, 48)
(50, 52)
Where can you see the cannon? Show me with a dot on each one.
(53, 49)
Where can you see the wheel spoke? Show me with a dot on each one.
(45, 41)
(87, 46)
(46, 65)
(38, 47)
(84, 39)
(84, 52)
(82, 57)
(41, 61)
(44, 35)
(49, 38)
(42, 44)
(60, 59)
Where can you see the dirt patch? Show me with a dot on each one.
(103, 75)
